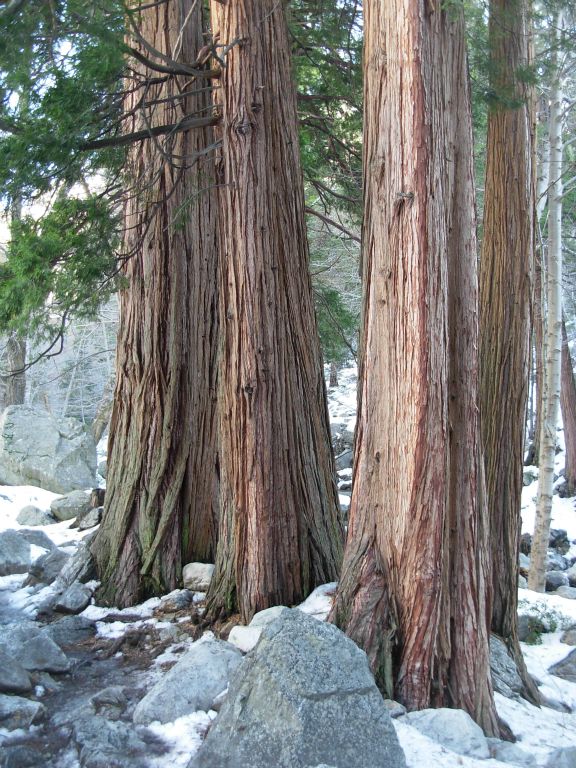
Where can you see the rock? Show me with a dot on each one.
(510, 753)
(70, 630)
(303, 697)
(395, 709)
(529, 475)
(46, 569)
(344, 460)
(566, 669)
(558, 540)
(41, 653)
(244, 638)
(111, 700)
(530, 628)
(568, 592)
(522, 582)
(262, 618)
(569, 636)
(571, 573)
(13, 677)
(80, 567)
(36, 449)
(37, 538)
(178, 600)
(526, 543)
(31, 515)
(524, 562)
(192, 683)
(21, 756)
(505, 677)
(453, 728)
(74, 599)
(109, 744)
(103, 468)
(197, 576)
(89, 519)
(556, 562)
(555, 579)
(14, 553)
(72, 505)
(16, 712)
(565, 757)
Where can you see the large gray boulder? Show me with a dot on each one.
(193, 683)
(36, 449)
(14, 553)
(33, 648)
(303, 697)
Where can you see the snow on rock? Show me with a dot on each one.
(193, 682)
(453, 728)
(244, 638)
(319, 602)
(184, 737)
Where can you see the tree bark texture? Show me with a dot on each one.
(568, 407)
(161, 491)
(14, 378)
(413, 587)
(553, 333)
(281, 532)
(506, 265)
(542, 181)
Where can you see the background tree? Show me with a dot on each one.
(417, 475)
(280, 529)
(160, 507)
(505, 293)
(552, 357)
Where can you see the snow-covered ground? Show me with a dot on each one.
(539, 731)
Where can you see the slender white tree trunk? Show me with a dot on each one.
(553, 337)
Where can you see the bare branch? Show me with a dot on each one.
(158, 130)
(332, 223)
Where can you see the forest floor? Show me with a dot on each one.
(133, 648)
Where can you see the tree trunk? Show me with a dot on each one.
(160, 510)
(506, 260)
(553, 335)
(542, 181)
(281, 531)
(413, 591)
(333, 382)
(568, 406)
(14, 379)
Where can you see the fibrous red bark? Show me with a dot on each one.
(413, 590)
(280, 532)
(161, 495)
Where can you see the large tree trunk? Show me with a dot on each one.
(281, 531)
(553, 334)
(506, 260)
(160, 509)
(413, 591)
(568, 407)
